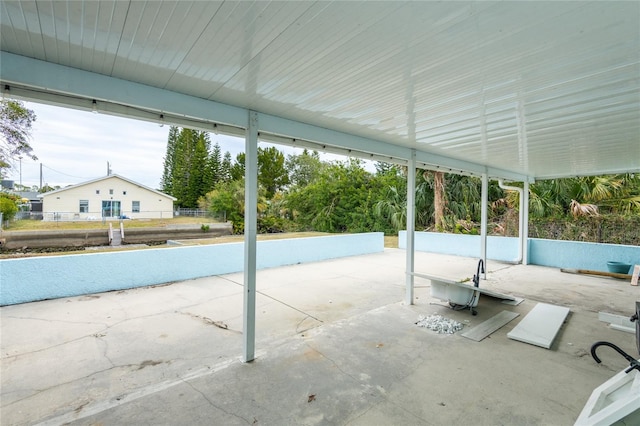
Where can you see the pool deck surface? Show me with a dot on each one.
(335, 345)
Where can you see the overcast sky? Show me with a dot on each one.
(75, 146)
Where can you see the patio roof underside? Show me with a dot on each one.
(517, 90)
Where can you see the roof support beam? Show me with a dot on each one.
(49, 77)
(328, 139)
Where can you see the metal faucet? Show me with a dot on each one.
(634, 364)
(476, 277)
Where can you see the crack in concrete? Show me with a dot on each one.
(39, 391)
(308, 328)
(105, 349)
(12, 358)
(101, 406)
(96, 334)
(216, 406)
(276, 300)
(332, 361)
(35, 392)
(55, 320)
(209, 321)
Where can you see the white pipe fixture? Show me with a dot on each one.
(483, 223)
(525, 224)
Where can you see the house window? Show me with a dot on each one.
(84, 206)
(135, 207)
(97, 192)
(111, 192)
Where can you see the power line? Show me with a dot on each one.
(66, 174)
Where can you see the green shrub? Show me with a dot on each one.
(8, 206)
(272, 225)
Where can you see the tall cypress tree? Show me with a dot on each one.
(215, 166)
(182, 166)
(225, 170)
(197, 180)
(187, 173)
(166, 183)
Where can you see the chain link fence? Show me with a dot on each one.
(90, 216)
(218, 216)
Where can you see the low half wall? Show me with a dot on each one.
(552, 253)
(579, 255)
(100, 237)
(39, 278)
(498, 248)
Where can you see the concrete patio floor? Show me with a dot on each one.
(335, 345)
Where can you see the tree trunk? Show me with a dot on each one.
(438, 199)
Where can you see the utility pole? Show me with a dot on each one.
(20, 158)
(40, 175)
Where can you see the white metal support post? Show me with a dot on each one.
(411, 225)
(250, 230)
(525, 224)
(483, 222)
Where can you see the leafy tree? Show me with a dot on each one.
(236, 171)
(273, 175)
(15, 130)
(228, 197)
(383, 168)
(340, 200)
(8, 206)
(47, 188)
(304, 168)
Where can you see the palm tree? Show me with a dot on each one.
(393, 208)
(582, 196)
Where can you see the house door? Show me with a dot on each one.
(110, 208)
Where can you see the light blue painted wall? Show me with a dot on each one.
(552, 253)
(578, 255)
(38, 278)
(498, 248)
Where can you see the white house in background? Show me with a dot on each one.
(109, 197)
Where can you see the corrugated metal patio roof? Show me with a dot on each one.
(527, 90)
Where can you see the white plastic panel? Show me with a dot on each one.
(540, 326)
